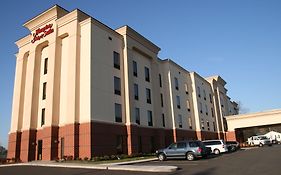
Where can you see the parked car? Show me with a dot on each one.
(217, 146)
(260, 140)
(184, 149)
(232, 145)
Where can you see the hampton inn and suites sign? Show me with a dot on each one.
(42, 32)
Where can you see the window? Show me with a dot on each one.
(208, 125)
(44, 90)
(161, 97)
(117, 86)
(118, 112)
(202, 124)
(198, 91)
(212, 110)
(180, 121)
(116, 60)
(186, 88)
(190, 122)
(206, 109)
(149, 118)
(195, 144)
(163, 120)
(137, 115)
(43, 117)
(148, 96)
(136, 91)
(45, 66)
(221, 98)
(135, 68)
(147, 76)
(187, 105)
(119, 144)
(204, 93)
(176, 83)
(181, 145)
(214, 126)
(211, 100)
(201, 108)
(160, 80)
(139, 144)
(178, 102)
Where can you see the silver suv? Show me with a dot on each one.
(184, 149)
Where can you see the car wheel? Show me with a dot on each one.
(260, 145)
(190, 156)
(216, 151)
(161, 157)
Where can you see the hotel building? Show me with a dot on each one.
(83, 89)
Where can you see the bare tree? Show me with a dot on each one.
(242, 109)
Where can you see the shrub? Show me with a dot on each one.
(86, 158)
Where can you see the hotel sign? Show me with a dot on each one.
(42, 32)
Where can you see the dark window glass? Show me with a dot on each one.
(160, 80)
(149, 116)
(43, 117)
(147, 76)
(180, 121)
(161, 97)
(210, 96)
(176, 84)
(45, 66)
(118, 112)
(116, 60)
(163, 120)
(137, 115)
(136, 91)
(178, 102)
(204, 93)
(148, 96)
(194, 144)
(181, 145)
(119, 144)
(199, 91)
(135, 68)
(117, 86)
(44, 90)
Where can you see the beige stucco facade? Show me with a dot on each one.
(84, 89)
(242, 126)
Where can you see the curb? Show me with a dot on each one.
(122, 166)
(130, 162)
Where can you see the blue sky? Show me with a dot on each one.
(239, 40)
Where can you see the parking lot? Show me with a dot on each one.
(263, 160)
(258, 161)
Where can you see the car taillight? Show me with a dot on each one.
(199, 150)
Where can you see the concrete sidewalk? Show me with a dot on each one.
(121, 166)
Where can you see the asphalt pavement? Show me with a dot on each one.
(257, 161)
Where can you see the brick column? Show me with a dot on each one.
(28, 143)
(14, 145)
(132, 139)
(70, 133)
(85, 140)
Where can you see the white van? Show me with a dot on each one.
(217, 146)
(259, 140)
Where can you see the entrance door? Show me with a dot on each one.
(62, 147)
(39, 151)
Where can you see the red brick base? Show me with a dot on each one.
(95, 139)
(14, 145)
(231, 136)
